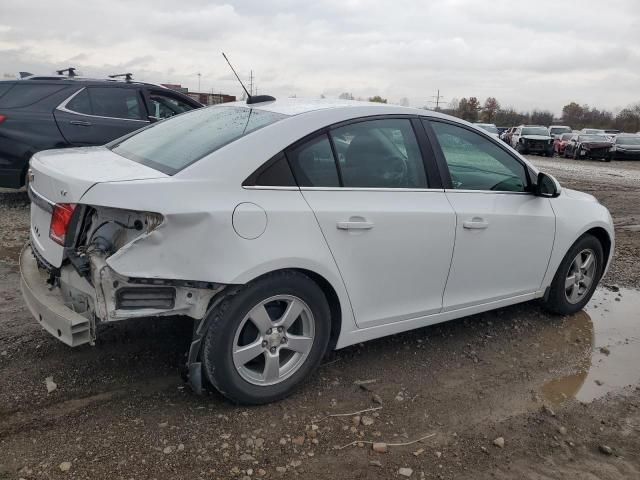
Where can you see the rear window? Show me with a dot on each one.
(24, 94)
(176, 143)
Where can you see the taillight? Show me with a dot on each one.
(2, 118)
(60, 219)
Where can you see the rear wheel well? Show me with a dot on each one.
(334, 304)
(332, 300)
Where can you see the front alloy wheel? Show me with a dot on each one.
(577, 276)
(580, 276)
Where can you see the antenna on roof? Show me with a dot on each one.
(234, 72)
(71, 72)
(250, 98)
(127, 76)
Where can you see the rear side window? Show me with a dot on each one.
(116, 102)
(379, 154)
(175, 143)
(313, 163)
(25, 94)
(80, 103)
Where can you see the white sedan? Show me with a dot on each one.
(288, 227)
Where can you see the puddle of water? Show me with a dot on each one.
(610, 326)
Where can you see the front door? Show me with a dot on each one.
(391, 236)
(504, 234)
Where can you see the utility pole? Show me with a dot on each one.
(199, 75)
(251, 83)
(437, 100)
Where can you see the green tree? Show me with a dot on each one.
(541, 117)
(573, 115)
(468, 109)
(490, 110)
(628, 120)
(378, 99)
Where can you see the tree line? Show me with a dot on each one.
(573, 114)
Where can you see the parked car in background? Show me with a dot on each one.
(589, 146)
(625, 147)
(40, 113)
(489, 127)
(592, 131)
(560, 142)
(611, 131)
(532, 139)
(501, 130)
(556, 130)
(506, 135)
(244, 218)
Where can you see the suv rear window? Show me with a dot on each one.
(24, 94)
(173, 144)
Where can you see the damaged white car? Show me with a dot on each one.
(284, 228)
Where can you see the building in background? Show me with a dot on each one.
(203, 98)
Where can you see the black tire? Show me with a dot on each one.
(556, 301)
(217, 356)
(575, 154)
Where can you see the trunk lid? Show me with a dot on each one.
(64, 176)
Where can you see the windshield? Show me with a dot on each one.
(535, 131)
(559, 130)
(488, 127)
(593, 131)
(566, 136)
(628, 140)
(593, 138)
(176, 143)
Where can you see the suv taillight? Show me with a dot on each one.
(60, 219)
(2, 118)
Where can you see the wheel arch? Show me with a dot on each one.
(333, 299)
(605, 240)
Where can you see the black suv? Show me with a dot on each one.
(40, 113)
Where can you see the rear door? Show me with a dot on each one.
(504, 233)
(95, 115)
(389, 227)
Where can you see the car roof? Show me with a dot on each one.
(63, 80)
(298, 106)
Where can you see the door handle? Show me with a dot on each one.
(359, 225)
(476, 223)
(81, 123)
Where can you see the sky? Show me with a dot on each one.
(528, 54)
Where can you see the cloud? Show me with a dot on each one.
(528, 54)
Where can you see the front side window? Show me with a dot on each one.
(165, 106)
(476, 163)
(176, 143)
(379, 154)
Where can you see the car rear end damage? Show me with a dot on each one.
(67, 281)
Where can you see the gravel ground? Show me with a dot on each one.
(513, 393)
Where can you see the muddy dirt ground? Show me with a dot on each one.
(562, 393)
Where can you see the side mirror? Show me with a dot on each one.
(153, 118)
(547, 186)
